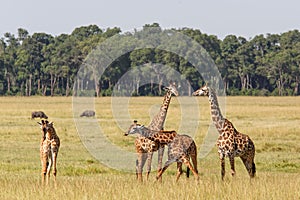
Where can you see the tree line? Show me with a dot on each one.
(43, 64)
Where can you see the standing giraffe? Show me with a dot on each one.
(48, 149)
(180, 148)
(144, 146)
(231, 143)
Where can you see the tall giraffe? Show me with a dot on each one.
(48, 149)
(145, 147)
(180, 148)
(230, 143)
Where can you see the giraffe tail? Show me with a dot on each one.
(188, 172)
(253, 169)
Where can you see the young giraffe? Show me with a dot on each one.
(180, 148)
(230, 142)
(48, 149)
(144, 146)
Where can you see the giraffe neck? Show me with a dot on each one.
(216, 113)
(158, 121)
(145, 132)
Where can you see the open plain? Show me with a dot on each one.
(271, 122)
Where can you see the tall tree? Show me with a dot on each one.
(10, 56)
(30, 58)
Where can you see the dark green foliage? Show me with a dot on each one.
(42, 64)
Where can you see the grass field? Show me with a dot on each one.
(271, 122)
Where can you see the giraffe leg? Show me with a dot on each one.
(49, 168)
(194, 161)
(179, 170)
(44, 163)
(149, 162)
(222, 160)
(160, 172)
(54, 157)
(44, 169)
(144, 158)
(188, 172)
(188, 164)
(231, 159)
(160, 157)
(43, 175)
(193, 155)
(140, 164)
(138, 167)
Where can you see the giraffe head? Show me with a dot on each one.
(133, 128)
(49, 127)
(43, 125)
(203, 91)
(46, 127)
(172, 88)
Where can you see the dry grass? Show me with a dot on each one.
(272, 123)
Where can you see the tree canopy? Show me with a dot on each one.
(43, 64)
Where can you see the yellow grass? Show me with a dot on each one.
(271, 122)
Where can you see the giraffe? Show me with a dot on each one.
(230, 143)
(180, 148)
(145, 147)
(49, 147)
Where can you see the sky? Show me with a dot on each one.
(246, 18)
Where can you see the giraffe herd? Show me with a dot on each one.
(181, 148)
(231, 143)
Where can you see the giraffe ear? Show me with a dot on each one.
(40, 123)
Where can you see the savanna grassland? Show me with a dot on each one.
(271, 122)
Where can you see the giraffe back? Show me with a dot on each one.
(163, 137)
(183, 145)
(52, 136)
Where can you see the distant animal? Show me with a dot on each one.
(88, 113)
(49, 147)
(38, 114)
